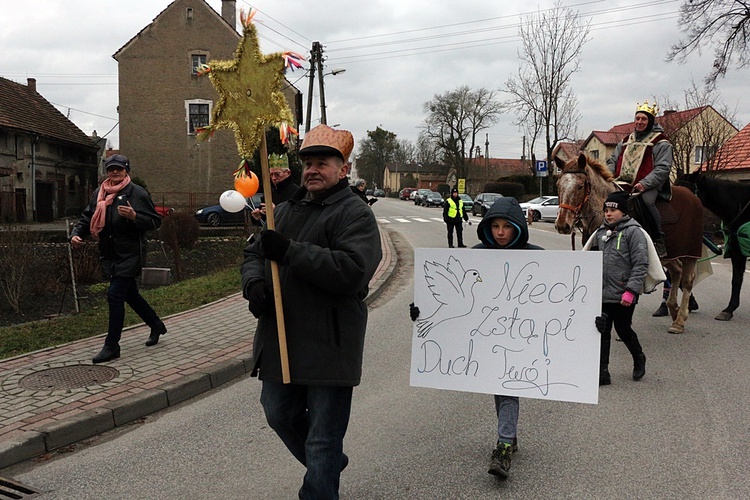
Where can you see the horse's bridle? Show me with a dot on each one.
(577, 215)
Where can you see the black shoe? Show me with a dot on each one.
(692, 304)
(500, 461)
(639, 366)
(450, 246)
(108, 353)
(461, 246)
(604, 378)
(662, 311)
(153, 339)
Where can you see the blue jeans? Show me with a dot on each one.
(311, 421)
(123, 290)
(507, 417)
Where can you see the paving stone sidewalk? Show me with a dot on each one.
(56, 397)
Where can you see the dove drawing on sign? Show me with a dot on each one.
(452, 287)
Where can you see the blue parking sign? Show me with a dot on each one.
(541, 168)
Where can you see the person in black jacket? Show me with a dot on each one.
(118, 217)
(503, 227)
(282, 188)
(359, 189)
(327, 246)
(453, 214)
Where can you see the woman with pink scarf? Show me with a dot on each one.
(118, 217)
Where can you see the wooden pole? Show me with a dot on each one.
(283, 352)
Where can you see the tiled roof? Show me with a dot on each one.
(23, 108)
(735, 154)
(611, 137)
(671, 121)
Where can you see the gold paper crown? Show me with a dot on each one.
(278, 161)
(645, 108)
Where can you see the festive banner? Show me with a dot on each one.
(511, 322)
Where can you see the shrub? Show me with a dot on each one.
(18, 254)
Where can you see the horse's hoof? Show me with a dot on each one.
(724, 316)
(676, 330)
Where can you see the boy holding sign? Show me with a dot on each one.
(503, 227)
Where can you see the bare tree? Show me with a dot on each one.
(406, 152)
(455, 118)
(427, 152)
(541, 95)
(697, 140)
(721, 24)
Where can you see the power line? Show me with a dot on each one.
(84, 112)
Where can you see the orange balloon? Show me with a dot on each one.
(246, 184)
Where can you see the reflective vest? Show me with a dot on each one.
(453, 210)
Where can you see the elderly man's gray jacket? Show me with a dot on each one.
(334, 252)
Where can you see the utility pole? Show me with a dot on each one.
(316, 65)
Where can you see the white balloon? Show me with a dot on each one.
(232, 201)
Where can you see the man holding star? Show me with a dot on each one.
(327, 246)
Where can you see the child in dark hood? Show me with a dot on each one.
(503, 227)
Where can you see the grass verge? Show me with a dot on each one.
(93, 318)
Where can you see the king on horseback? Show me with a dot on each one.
(644, 161)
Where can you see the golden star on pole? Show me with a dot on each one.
(250, 96)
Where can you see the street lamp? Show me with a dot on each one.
(334, 72)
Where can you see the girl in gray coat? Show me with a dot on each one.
(624, 269)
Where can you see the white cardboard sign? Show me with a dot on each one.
(517, 323)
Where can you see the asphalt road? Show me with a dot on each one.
(681, 432)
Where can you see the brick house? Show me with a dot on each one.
(162, 101)
(48, 166)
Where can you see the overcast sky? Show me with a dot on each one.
(397, 54)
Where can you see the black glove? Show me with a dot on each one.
(257, 300)
(601, 322)
(273, 245)
(371, 201)
(413, 311)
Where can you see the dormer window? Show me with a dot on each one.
(189, 14)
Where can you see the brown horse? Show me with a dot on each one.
(582, 188)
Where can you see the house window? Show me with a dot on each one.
(594, 154)
(198, 114)
(704, 153)
(197, 60)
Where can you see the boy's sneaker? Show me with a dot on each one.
(500, 462)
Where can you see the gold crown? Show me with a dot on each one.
(645, 108)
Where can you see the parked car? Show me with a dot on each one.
(468, 202)
(433, 199)
(542, 208)
(368, 192)
(379, 193)
(483, 202)
(215, 215)
(420, 195)
(405, 193)
(164, 210)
